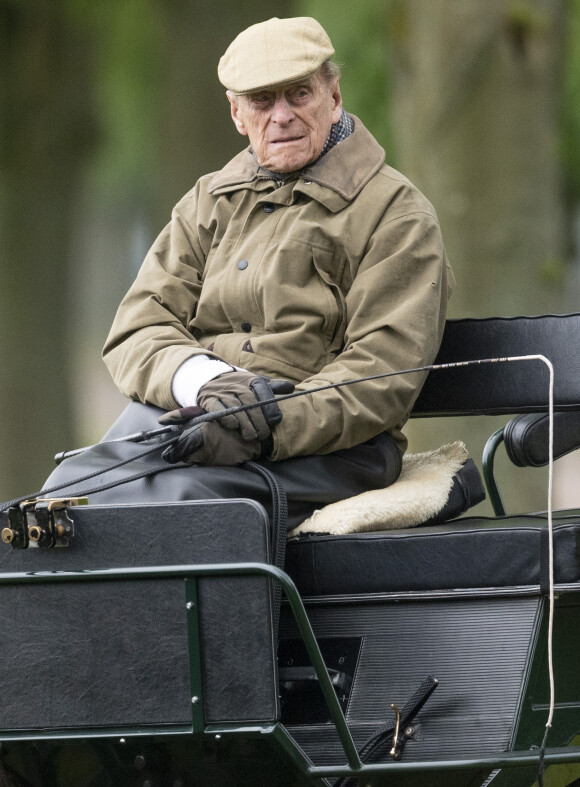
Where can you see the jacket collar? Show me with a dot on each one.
(334, 180)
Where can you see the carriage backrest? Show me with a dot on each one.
(504, 388)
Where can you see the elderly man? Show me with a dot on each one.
(306, 260)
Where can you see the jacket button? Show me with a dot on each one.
(269, 208)
(246, 327)
(243, 264)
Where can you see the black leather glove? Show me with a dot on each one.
(239, 388)
(207, 443)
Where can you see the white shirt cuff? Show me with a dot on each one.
(192, 374)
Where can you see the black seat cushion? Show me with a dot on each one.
(473, 552)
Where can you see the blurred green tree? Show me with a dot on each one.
(476, 96)
(48, 128)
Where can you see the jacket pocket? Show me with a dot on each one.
(336, 323)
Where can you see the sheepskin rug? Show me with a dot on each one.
(419, 493)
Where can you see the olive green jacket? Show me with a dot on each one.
(340, 273)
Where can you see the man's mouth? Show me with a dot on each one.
(286, 140)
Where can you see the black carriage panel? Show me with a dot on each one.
(118, 653)
(477, 648)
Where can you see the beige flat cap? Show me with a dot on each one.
(274, 52)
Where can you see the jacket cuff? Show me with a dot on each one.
(192, 375)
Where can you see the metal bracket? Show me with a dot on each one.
(404, 730)
(16, 533)
(42, 523)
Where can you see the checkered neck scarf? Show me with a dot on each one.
(338, 132)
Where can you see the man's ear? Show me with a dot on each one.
(337, 102)
(235, 113)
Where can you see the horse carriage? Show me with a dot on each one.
(187, 644)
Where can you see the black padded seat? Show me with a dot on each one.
(473, 552)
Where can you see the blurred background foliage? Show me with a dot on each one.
(110, 111)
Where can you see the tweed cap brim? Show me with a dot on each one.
(274, 52)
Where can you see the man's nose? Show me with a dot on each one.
(282, 112)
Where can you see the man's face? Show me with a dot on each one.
(288, 125)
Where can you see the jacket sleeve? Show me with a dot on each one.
(149, 339)
(396, 310)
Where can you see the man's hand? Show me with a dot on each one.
(240, 388)
(208, 443)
